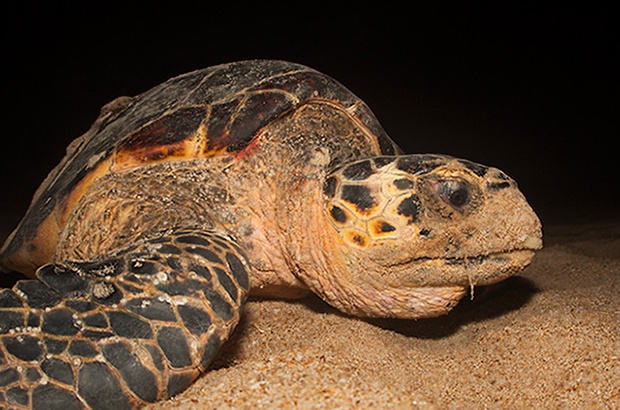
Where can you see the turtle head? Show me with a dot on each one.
(413, 233)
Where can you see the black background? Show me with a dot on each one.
(530, 90)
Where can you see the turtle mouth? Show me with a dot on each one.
(483, 269)
(486, 269)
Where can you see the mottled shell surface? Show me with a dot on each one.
(213, 111)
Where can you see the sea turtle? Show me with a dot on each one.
(258, 175)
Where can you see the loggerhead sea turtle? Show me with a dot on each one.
(257, 175)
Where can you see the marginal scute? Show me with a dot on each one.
(217, 127)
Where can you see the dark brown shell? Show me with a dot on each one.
(214, 111)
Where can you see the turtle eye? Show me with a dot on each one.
(453, 192)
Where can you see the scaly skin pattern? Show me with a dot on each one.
(126, 330)
(263, 176)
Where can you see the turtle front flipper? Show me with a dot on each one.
(135, 327)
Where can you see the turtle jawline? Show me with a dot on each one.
(467, 271)
(470, 259)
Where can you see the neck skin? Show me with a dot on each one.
(313, 244)
(354, 281)
(288, 242)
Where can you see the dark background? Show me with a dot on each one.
(529, 90)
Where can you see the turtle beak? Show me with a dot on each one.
(533, 242)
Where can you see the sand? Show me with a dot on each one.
(548, 338)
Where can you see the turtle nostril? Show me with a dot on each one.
(496, 186)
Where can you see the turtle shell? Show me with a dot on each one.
(213, 111)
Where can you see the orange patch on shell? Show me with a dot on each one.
(37, 251)
(176, 136)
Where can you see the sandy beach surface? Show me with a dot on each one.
(548, 338)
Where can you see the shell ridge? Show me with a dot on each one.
(205, 78)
